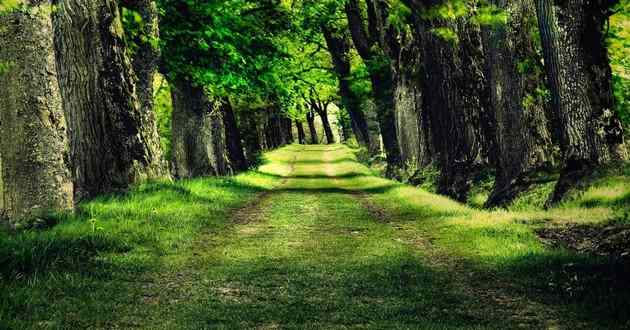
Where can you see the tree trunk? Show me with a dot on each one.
(310, 118)
(99, 97)
(251, 130)
(233, 138)
(34, 173)
(579, 77)
(455, 106)
(287, 134)
(301, 134)
(381, 77)
(339, 48)
(145, 63)
(524, 141)
(412, 122)
(198, 134)
(322, 111)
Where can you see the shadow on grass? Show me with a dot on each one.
(622, 201)
(592, 289)
(382, 292)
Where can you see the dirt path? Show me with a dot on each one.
(322, 250)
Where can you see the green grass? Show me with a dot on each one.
(311, 239)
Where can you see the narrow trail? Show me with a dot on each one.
(323, 249)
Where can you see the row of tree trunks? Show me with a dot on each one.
(524, 142)
(277, 129)
(198, 133)
(579, 77)
(34, 174)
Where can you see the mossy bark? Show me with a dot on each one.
(454, 97)
(34, 172)
(579, 77)
(145, 64)
(524, 141)
(100, 103)
(412, 122)
(198, 133)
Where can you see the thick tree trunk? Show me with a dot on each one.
(34, 173)
(300, 130)
(310, 118)
(198, 134)
(524, 141)
(455, 106)
(412, 122)
(233, 138)
(339, 48)
(579, 77)
(145, 63)
(95, 76)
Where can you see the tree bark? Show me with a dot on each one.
(198, 134)
(524, 141)
(233, 138)
(579, 77)
(251, 131)
(99, 97)
(34, 174)
(300, 130)
(412, 122)
(310, 118)
(381, 76)
(330, 137)
(455, 90)
(145, 62)
(322, 110)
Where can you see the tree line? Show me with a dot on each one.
(514, 87)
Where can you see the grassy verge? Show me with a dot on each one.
(91, 268)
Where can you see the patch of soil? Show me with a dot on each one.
(611, 241)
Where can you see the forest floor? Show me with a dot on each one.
(310, 240)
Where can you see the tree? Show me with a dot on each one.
(453, 61)
(310, 118)
(107, 150)
(198, 133)
(339, 47)
(366, 42)
(517, 97)
(140, 19)
(34, 176)
(579, 78)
